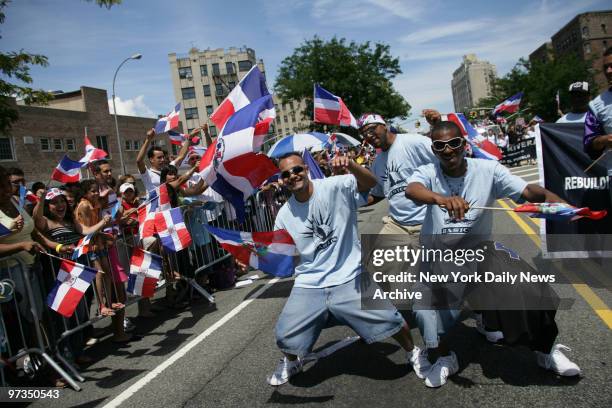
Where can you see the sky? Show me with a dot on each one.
(86, 43)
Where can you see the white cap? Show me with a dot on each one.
(369, 118)
(126, 186)
(579, 86)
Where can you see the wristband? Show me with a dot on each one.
(58, 247)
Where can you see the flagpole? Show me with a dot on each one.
(596, 160)
(87, 136)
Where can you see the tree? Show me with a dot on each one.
(359, 73)
(17, 64)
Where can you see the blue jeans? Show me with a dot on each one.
(309, 310)
(434, 323)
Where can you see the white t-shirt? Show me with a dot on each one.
(151, 178)
(572, 118)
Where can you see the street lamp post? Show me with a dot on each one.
(133, 57)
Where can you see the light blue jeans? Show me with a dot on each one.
(435, 323)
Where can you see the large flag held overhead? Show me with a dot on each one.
(250, 88)
(510, 105)
(67, 171)
(271, 252)
(170, 121)
(92, 153)
(331, 110)
(231, 166)
(560, 211)
(72, 282)
(145, 269)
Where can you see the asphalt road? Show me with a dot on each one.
(219, 356)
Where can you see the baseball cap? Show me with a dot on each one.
(52, 193)
(579, 87)
(370, 118)
(126, 186)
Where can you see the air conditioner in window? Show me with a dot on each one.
(189, 76)
(28, 140)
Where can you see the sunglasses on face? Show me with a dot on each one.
(454, 143)
(295, 170)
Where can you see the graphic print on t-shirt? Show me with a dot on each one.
(460, 226)
(392, 174)
(319, 227)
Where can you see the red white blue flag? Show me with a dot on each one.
(250, 88)
(145, 269)
(176, 138)
(170, 227)
(480, 150)
(560, 211)
(271, 252)
(231, 166)
(26, 195)
(510, 105)
(67, 171)
(331, 110)
(170, 121)
(4, 231)
(72, 282)
(82, 247)
(92, 153)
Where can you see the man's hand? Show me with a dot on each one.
(40, 193)
(456, 206)
(602, 142)
(107, 219)
(150, 134)
(341, 164)
(432, 116)
(32, 247)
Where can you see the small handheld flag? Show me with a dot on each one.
(170, 121)
(330, 109)
(560, 211)
(92, 153)
(72, 282)
(510, 105)
(82, 247)
(67, 171)
(170, 227)
(145, 269)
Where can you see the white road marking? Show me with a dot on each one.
(134, 388)
(522, 170)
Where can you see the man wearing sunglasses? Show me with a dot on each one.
(321, 217)
(450, 188)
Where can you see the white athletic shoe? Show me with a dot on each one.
(492, 336)
(443, 368)
(557, 361)
(284, 371)
(417, 358)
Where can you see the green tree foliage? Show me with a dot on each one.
(540, 83)
(15, 75)
(359, 73)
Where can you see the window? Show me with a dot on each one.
(279, 120)
(58, 145)
(244, 66)
(128, 145)
(136, 144)
(587, 48)
(231, 85)
(209, 110)
(206, 90)
(6, 149)
(204, 70)
(585, 31)
(285, 118)
(45, 144)
(188, 93)
(603, 29)
(219, 89)
(175, 149)
(185, 72)
(213, 131)
(229, 67)
(286, 131)
(605, 45)
(70, 145)
(102, 142)
(215, 68)
(191, 113)
(291, 105)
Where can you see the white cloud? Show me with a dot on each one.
(131, 107)
(435, 33)
(410, 10)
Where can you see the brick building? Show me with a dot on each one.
(44, 134)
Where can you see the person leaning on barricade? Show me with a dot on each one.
(450, 188)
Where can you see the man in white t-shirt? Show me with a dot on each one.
(579, 103)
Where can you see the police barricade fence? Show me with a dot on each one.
(24, 290)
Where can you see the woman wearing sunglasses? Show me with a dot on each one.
(450, 188)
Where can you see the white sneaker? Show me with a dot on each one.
(284, 371)
(443, 368)
(557, 361)
(417, 358)
(492, 336)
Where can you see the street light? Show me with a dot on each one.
(133, 57)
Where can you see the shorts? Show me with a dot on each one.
(309, 310)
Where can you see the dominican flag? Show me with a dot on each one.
(510, 105)
(82, 247)
(67, 171)
(313, 167)
(4, 231)
(560, 211)
(146, 222)
(169, 121)
(26, 195)
(250, 88)
(480, 150)
(72, 282)
(331, 110)
(170, 227)
(176, 138)
(92, 153)
(231, 166)
(145, 269)
(270, 252)
(158, 199)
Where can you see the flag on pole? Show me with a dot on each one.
(176, 138)
(72, 282)
(170, 121)
(170, 227)
(271, 252)
(67, 171)
(145, 269)
(331, 110)
(480, 150)
(560, 211)
(250, 88)
(313, 167)
(26, 195)
(92, 153)
(510, 105)
(82, 247)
